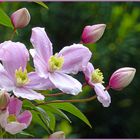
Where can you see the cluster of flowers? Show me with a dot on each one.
(51, 71)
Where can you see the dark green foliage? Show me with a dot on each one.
(119, 47)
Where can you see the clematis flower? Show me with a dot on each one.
(13, 73)
(55, 68)
(94, 78)
(11, 120)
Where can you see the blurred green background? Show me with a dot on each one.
(119, 47)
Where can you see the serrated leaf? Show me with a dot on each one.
(73, 110)
(5, 20)
(52, 120)
(55, 110)
(42, 4)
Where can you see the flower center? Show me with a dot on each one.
(97, 76)
(21, 77)
(12, 118)
(55, 62)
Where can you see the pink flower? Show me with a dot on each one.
(13, 73)
(11, 119)
(20, 18)
(122, 78)
(55, 68)
(95, 79)
(93, 33)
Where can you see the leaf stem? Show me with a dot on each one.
(13, 34)
(69, 101)
(55, 94)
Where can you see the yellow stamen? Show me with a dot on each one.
(21, 77)
(12, 118)
(97, 76)
(55, 62)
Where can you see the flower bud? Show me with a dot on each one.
(57, 135)
(121, 78)
(20, 18)
(93, 33)
(4, 100)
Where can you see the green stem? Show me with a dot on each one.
(55, 94)
(2, 132)
(69, 101)
(13, 34)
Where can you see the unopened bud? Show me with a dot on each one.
(93, 33)
(20, 18)
(4, 100)
(122, 78)
(57, 135)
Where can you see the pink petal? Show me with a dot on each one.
(102, 95)
(14, 106)
(3, 118)
(41, 43)
(76, 58)
(5, 81)
(28, 94)
(13, 56)
(15, 127)
(66, 83)
(88, 72)
(25, 117)
(38, 83)
(41, 66)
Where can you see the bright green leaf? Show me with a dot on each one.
(26, 134)
(55, 110)
(73, 110)
(5, 20)
(37, 119)
(44, 115)
(42, 4)
(52, 120)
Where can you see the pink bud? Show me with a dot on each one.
(122, 78)
(93, 33)
(57, 135)
(20, 18)
(4, 100)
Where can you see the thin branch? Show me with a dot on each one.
(69, 101)
(13, 34)
(55, 94)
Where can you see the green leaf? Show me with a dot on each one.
(52, 120)
(55, 110)
(37, 119)
(5, 20)
(26, 134)
(73, 110)
(42, 4)
(44, 115)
